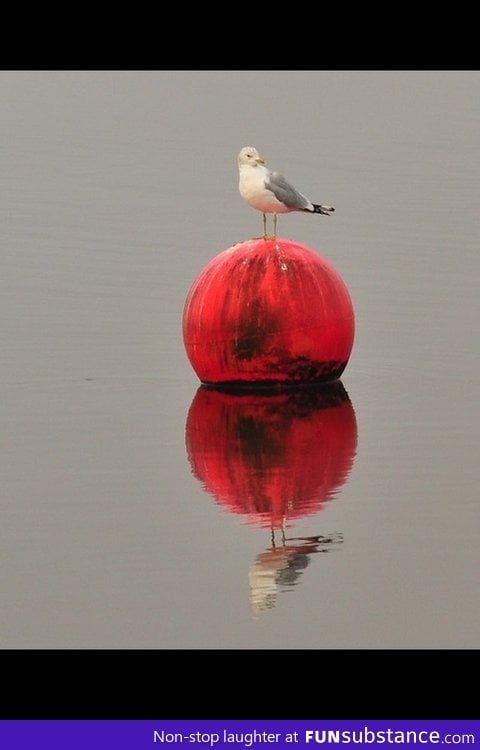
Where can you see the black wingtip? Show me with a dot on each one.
(324, 210)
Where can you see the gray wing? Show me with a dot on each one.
(284, 192)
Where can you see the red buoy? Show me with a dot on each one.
(266, 313)
(272, 457)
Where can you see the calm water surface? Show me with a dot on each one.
(141, 511)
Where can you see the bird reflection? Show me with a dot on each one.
(272, 457)
(278, 568)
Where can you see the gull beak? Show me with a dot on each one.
(259, 160)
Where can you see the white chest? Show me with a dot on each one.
(253, 191)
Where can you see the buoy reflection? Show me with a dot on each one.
(272, 457)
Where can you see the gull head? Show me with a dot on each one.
(249, 155)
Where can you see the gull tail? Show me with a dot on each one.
(325, 210)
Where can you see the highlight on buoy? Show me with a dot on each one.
(268, 313)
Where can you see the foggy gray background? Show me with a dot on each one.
(117, 188)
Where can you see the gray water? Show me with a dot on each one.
(117, 188)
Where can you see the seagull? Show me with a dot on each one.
(269, 192)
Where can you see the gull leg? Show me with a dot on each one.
(274, 226)
(264, 236)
